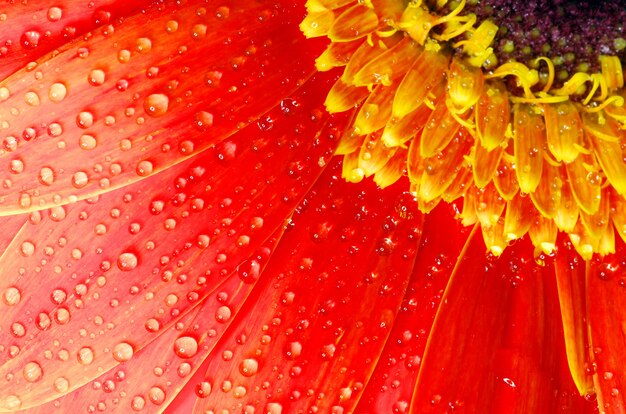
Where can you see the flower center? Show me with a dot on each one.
(517, 108)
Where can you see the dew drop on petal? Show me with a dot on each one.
(12, 296)
(203, 389)
(127, 261)
(55, 14)
(27, 249)
(143, 45)
(223, 314)
(171, 26)
(96, 77)
(31, 99)
(46, 176)
(61, 384)
(199, 31)
(80, 179)
(156, 395)
(156, 104)
(138, 403)
(249, 367)
(57, 92)
(87, 142)
(123, 352)
(186, 347)
(144, 168)
(85, 355)
(10, 402)
(32, 372)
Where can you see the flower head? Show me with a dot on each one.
(178, 234)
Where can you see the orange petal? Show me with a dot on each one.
(114, 108)
(518, 218)
(375, 111)
(336, 55)
(392, 384)
(611, 158)
(308, 325)
(465, 84)
(397, 132)
(530, 133)
(567, 212)
(374, 154)
(393, 169)
(152, 250)
(343, 97)
(500, 321)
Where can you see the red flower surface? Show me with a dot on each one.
(179, 234)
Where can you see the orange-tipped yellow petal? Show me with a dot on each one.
(424, 78)
(518, 217)
(354, 23)
(563, 130)
(439, 130)
(485, 164)
(547, 195)
(530, 132)
(492, 115)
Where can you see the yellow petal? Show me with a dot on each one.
(489, 205)
(440, 128)
(355, 22)
(504, 179)
(529, 136)
(343, 97)
(485, 163)
(518, 217)
(374, 154)
(336, 55)
(393, 169)
(547, 195)
(397, 132)
(567, 212)
(563, 130)
(375, 111)
(424, 78)
(465, 84)
(492, 115)
(584, 180)
(611, 159)
(543, 234)
(389, 65)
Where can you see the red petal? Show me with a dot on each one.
(313, 329)
(607, 328)
(112, 270)
(497, 341)
(162, 86)
(393, 381)
(31, 29)
(571, 283)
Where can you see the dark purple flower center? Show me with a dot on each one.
(573, 34)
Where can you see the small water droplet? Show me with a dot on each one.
(123, 352)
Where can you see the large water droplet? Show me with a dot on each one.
(156, 104)
(123, 352)
(186, 347)
(32, 372)
(127, 261)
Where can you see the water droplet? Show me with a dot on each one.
(31, 99)
(12, 296)
(127, 261)
(61, 384)
(198, 31)
(203, 389)
(156, 395)
(223, 314)
(55, 14)
(152, 325)
(156, 104)
(30, 39)
(144, 168)
(96, 77)
(143, 45)
(123, 352)
(85, 355)
(27, 249)
(138, 403)
(80, 179)
(32, 372)
(11, 402)
(249, 367)
(186, 347)
(84, 119)
(87, 142)
(57, 92)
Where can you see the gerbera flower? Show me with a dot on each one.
(178, 234)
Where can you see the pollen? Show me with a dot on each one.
(438, 95)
